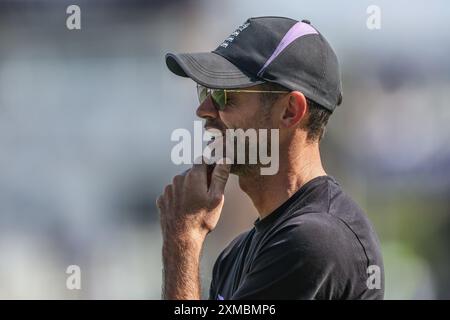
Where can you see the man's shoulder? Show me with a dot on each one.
(312, 232)
(330, 212)
(329, 248)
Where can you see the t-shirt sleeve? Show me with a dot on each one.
(300, 261)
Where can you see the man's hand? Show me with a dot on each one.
(189, 210)
(188, 207)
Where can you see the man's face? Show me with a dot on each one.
(243, 111)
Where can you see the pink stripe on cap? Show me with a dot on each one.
(298, 30)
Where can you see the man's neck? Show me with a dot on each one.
(269, 192)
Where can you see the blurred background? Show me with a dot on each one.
(86, 117)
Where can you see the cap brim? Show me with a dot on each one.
(209, 69)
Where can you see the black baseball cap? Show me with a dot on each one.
(268, 49)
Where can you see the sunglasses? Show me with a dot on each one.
(219, 96)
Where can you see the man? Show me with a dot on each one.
(311, 241)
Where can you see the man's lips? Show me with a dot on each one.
(214, 128)
(214, 124)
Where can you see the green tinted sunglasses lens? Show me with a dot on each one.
(219, 98)
(217, 95)
(202, 93)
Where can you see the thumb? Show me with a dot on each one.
(219, 179)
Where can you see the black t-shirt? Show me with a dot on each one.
(317, 245)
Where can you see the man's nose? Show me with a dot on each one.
(207, 109)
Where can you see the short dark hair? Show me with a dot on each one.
(318, 115)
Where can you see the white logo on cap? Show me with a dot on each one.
(232, 36)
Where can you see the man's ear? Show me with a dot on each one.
(295, 110)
